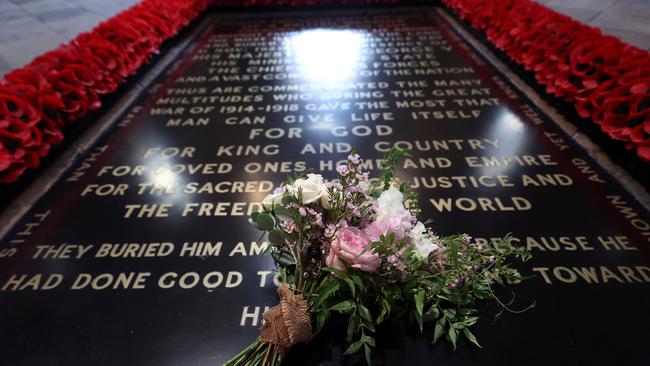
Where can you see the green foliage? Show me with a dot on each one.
(419, 307)
(264, 222)
(283, 258)
(391, 158)
(436, 298)
(345, 306)
(328, 291)
(277, 237)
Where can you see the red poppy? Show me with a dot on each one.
(643, 150)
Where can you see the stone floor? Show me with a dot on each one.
(628, 20)
(31, 27)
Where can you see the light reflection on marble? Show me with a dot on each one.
(325, 55)
(163, 184)
(329, 59)
(506, 123)
(164, 178)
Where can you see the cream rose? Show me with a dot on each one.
(313, 189)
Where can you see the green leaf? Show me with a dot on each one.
(435, 288)
(287, 199)
(264, 222)
(354, 347)
(277, 237)
(331, 288)
(281, 211)
(321, 318)
(385, 310)
(471, 320)
(458, 325)
(283, 258)
(364, 312)
(433, 312)
(369, 340)
(368, 353)
(254, 216)
(343, 307)
(357, 280)
(353, 326)
(470, 337)
(336, 271)
(439, 330)
(350, 283)
(365, 315)
(453, 335)
(449, 313)
(419, 307)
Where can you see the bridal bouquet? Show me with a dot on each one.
(354, 246)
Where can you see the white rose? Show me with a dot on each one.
(312, 188)
(271, 200)
(390, 203)
(421, 241)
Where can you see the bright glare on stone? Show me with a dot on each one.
(326, 55)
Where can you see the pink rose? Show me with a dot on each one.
(347, 246)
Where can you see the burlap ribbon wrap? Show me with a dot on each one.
(287, 323)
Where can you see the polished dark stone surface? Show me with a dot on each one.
(585, 315)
